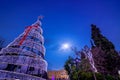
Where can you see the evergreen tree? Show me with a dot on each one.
(100, 40)
(111, 56)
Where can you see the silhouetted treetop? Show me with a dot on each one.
(100, 40)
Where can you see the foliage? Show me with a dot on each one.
(111, 56)
(100, 40)
(83, 71)
(68, 65)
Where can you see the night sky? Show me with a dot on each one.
(65, 21)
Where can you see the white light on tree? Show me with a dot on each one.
(119, 72)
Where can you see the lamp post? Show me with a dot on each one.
(119, 73)
(70, 70)
(77, 60)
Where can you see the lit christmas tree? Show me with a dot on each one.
(23, 59)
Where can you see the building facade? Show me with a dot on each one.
(23, 59)
(58, 75)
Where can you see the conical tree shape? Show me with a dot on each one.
(24, 57)
(106, 58)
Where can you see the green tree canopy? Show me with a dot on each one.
(111, 56)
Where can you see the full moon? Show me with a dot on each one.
(65, 46)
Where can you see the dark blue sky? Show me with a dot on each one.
(64, 21)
